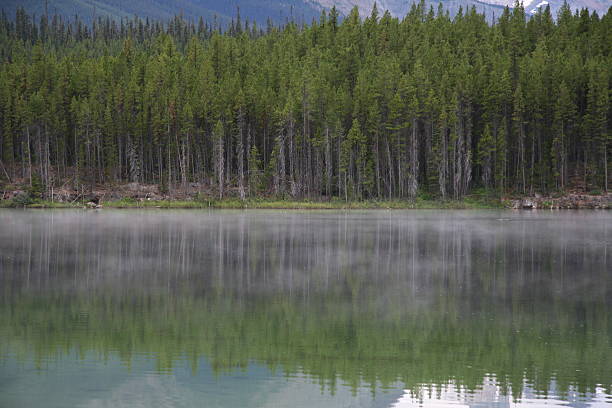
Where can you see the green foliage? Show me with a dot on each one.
(22, 200)
(36, 189)
(486, 154)
(419, 345)
(124, 202)
(369, 109)
(255, 172)
(423, 201)
(163, 186)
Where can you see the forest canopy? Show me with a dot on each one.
(367, 107)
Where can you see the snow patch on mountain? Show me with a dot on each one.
(537, 7)
(509, 3)
(395, 7)
(399, 8)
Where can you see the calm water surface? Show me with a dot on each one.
(305, 309)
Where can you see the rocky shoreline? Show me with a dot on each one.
(135, 193)
(573, 201)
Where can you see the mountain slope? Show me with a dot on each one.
(399, 8)
(490, 8)
(278, 11)
(223, 10)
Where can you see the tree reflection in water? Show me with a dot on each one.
(370, 299)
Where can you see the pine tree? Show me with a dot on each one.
(255, 175)
(352, 108)
(486, 156)
(565, 112)
(219, 156)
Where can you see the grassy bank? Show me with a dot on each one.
(470, 202)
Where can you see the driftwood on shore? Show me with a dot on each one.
(96, 196)
(569, 201)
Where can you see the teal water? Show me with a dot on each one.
(305, 309)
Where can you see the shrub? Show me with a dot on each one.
(36, 189)
(22, 200)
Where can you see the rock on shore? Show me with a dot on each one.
(570, 201)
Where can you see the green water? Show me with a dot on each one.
(305, 309)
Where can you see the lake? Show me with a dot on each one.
(271, 308)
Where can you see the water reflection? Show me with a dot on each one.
(492, 308)
(489, 394)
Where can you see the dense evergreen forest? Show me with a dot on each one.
(373, 107)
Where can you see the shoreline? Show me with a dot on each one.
(570, 201)
(264, 204)
(197, 196)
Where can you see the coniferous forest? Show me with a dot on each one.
(356, 108)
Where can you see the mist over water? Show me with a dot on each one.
(313, 308)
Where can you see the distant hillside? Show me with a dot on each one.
(222, 10)
(399, 8)
(489, 7)
(279, 11)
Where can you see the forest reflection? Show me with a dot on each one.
(367, 299)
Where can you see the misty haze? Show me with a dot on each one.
(321, 308)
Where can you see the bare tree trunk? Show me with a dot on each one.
(521, 158)
(532, 169)
(220, 163)
(169, 157)
(240, 153)
(443, 164)
(241, 187)
(279, 180)
(400, 160)
(457, 154)
(305, 161)
(29, 155)
(328, 162)
(414, 161)
(467, 156)
(377, 155)
(563, 157)
(183, 159)
(606, 166)
(8, 178)
(292, 158)
(391, 184)
(248, 150)
(133, 160)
